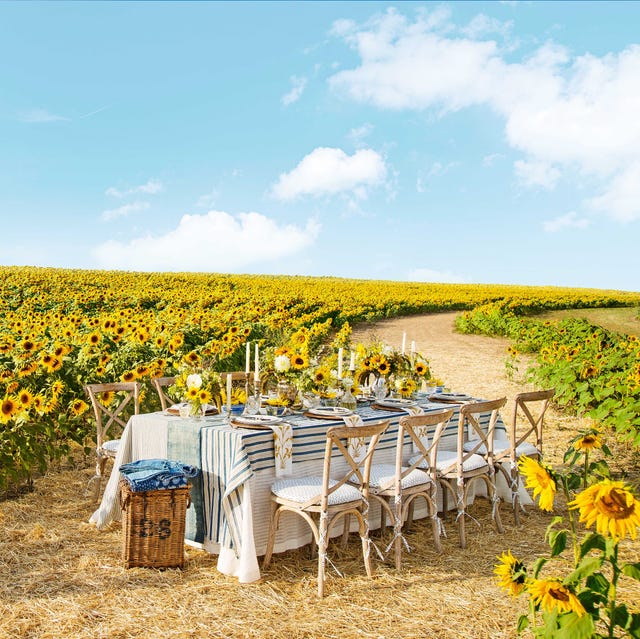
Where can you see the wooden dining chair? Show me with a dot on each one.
(524, 438)
(397, 486)
(322, 501)
(110, 421)
(160, 383)
(459, 470)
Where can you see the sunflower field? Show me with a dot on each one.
(62, 329)
(595, 371)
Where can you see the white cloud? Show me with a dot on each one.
(621, 199)
(437, 169)
(566, 114)
(124, 211)
(537, 173)
(491, 159)
(297, 87)
(429, 275)
(568, 221)
(358, 134)
(216, 241)
(327, 171)
(39, 116)
(151, 187)
(208, 199)
(483, 25)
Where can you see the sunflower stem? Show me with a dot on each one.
(572, 523)
(586, 469)
(612, 591)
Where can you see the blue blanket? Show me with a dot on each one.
(157, 474)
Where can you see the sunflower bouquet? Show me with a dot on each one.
(582, 603)
(197, 387)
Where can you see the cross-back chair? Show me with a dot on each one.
(110, 420)
(397, 486)
(322, 501)
(525, 438)
(461, 469)
(160, 383)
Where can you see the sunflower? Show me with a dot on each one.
(106, 398)
(298, 362)
(94, 338)
(78, 407)
(55, 365)
(551, 594)
(142, 370)
(192, 393)
(611, 506)
(28, 346)
(57, 387)
(511, 573)
(128, 376)
(383, 366)
(26, 369)
(587, 442)
(204, 396)
(539, 477)
(25, 398)
(420, 368)
(192, 358)
(8, 409)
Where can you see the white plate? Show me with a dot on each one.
(450, 397)
(256, 420)
(330, 411)
(393, 402)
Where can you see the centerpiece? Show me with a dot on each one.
(198, 388)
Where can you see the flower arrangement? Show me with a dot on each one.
(197, 387)
(582, 603)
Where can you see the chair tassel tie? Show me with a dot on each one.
(324, 557)
(366, 537)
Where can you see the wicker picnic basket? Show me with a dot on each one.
(153, 524)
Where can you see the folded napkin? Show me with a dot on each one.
(157, 474)
(357, 445)
(420, 431)
(283, 448)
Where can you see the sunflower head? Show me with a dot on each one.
(511, 573)
(587, 442)
(541, 478)
(611, 506)
(552, 594)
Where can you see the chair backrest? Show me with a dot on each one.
(358, 469)
(534, 405)
(107, 416)
(425, 448)
(160, 383)
(471, 429)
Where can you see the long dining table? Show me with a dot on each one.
(230, 510)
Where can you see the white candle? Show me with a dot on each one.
(340, 363)
(352, 361)
(229, 380)
(256, 372)
(413, 348)
(248, 358)
(404, 342)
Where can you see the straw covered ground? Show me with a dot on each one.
(61, 578)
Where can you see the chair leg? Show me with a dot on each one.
(460, 499)
(435, 525)
(322, 552)
(272, 535)
(397, 532)
(495, 508)
(345, 530)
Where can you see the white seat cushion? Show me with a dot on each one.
(111, 446)
(382, 477)
(501, 445)
(302, 489)
(445, 458)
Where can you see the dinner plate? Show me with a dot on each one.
(256, 421)
(395, 402)
(175, 409)
(452, 398)
(329, 412)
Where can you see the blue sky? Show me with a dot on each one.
(449, 142)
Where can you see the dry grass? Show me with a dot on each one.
(61, 578)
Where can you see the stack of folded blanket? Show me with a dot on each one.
(157, 474)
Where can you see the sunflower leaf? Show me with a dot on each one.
(537, 566)
(523, 622)
(632, 570)
(594, 541)
(572, 626)
(557, 542)
(597, 584)
(586, 567)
